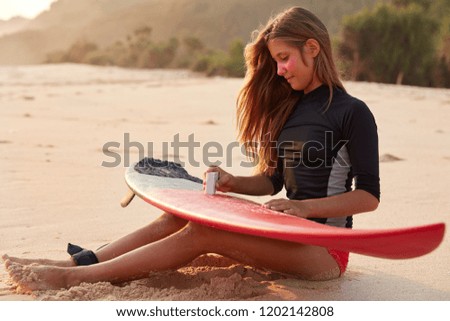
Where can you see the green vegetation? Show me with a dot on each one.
(403, 42)
(140, 51)
(395, 41)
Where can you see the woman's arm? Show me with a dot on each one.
(354, 202)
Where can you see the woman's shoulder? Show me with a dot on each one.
(345, 109)
(344, 99)
(345, 103)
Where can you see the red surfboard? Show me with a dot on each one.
(186, 199)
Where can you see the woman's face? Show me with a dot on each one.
(297, 70)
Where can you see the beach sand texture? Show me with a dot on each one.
(56, 119)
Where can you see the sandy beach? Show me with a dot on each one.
(57, 186)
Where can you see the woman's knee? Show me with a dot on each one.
(199, 234)
(172, 219)
(196, 229)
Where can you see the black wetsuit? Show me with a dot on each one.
(323, 151)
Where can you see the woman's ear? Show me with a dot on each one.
(312, 47)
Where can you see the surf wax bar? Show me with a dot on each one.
(211, 179)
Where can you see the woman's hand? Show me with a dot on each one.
(291, 207)
(225, 183)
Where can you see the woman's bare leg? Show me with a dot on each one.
(162, 227)
(180, 248)
(165, 225)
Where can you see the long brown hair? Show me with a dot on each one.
(266, 100)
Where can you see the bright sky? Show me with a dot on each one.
(24, 8)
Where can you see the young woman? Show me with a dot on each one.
(310, 137)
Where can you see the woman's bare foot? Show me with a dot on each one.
(39, 277)
(23, 261)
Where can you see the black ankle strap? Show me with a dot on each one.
(81, 256)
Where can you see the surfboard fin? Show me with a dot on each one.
(127, 199)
